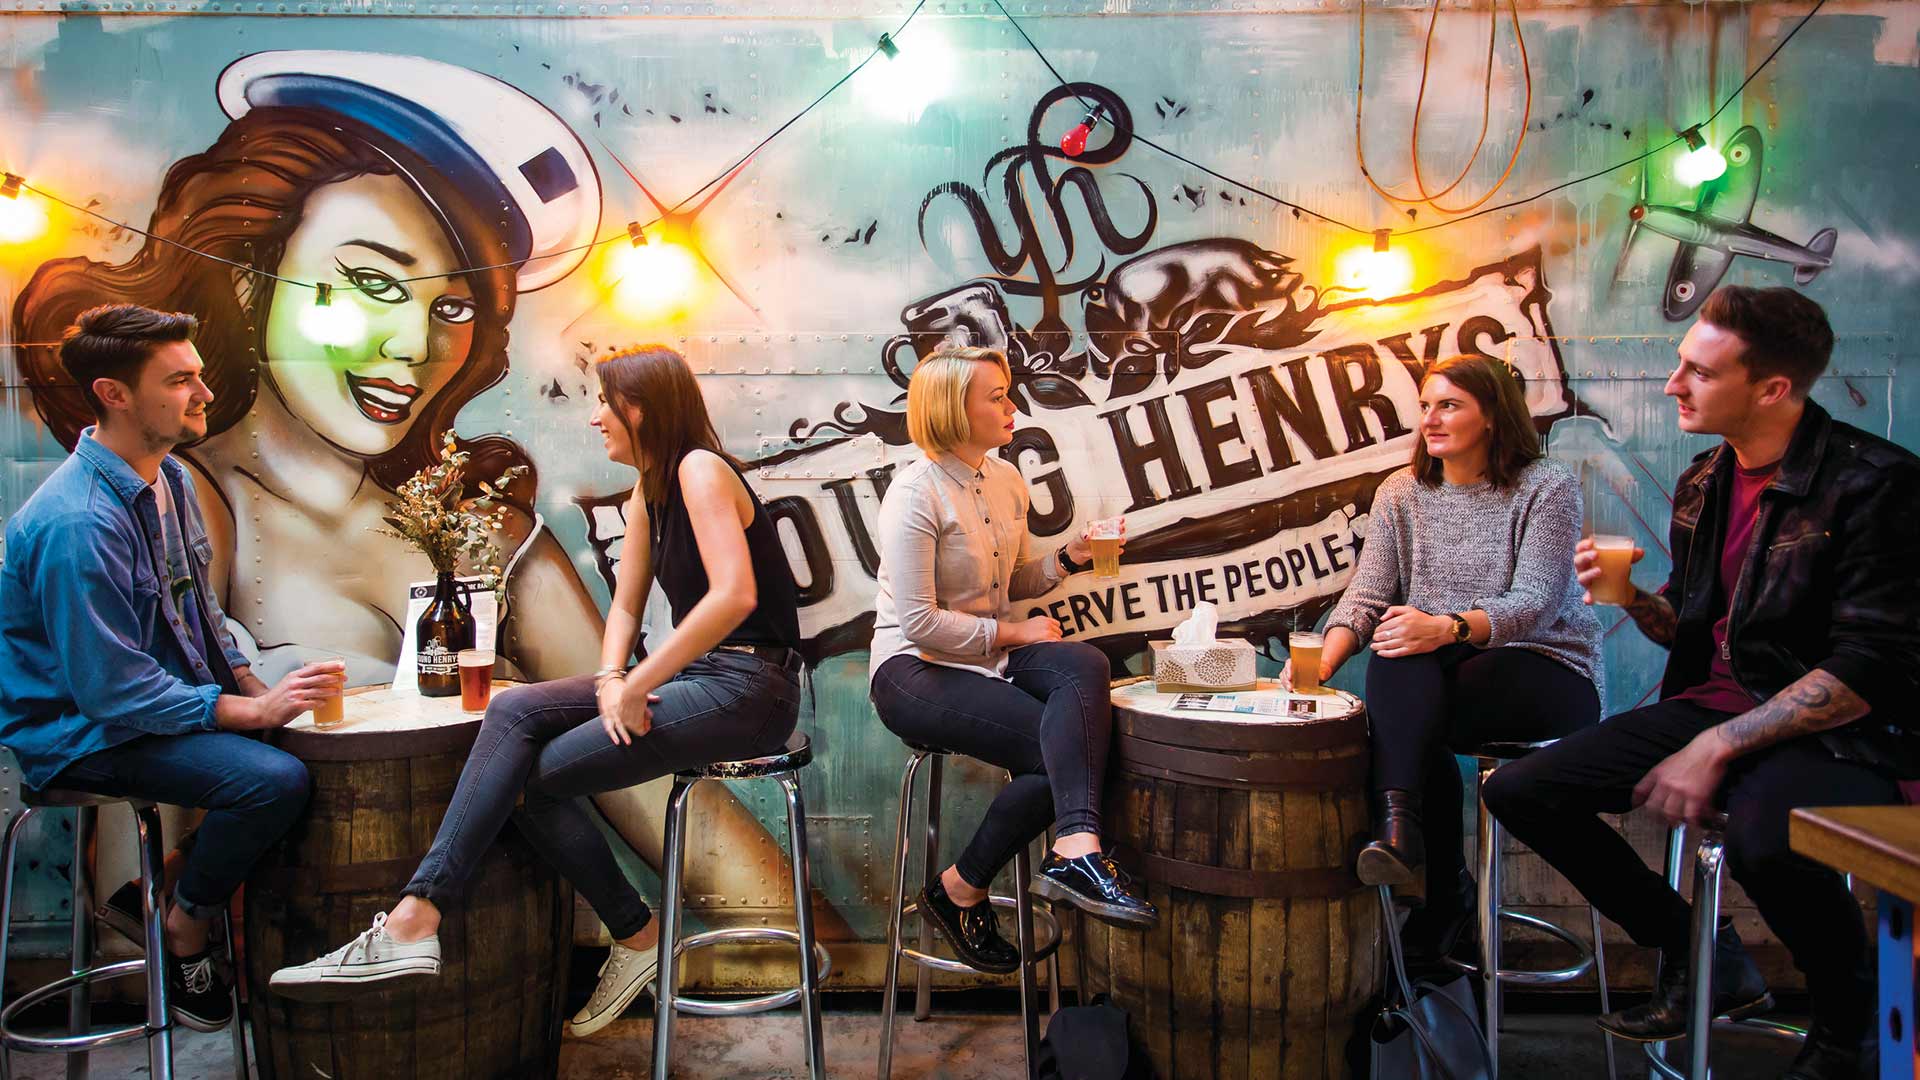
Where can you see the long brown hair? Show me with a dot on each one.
(656, 380)
(1512, 445)
(241, 199)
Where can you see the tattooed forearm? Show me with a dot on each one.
(1653, 615)
(1813, 703)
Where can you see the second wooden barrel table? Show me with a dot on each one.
(1243, 827)
(381, 784)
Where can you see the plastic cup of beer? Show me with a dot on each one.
(1303, 649)
(1104, 536)
(331, 712)
(1615, 584)
(476, 679)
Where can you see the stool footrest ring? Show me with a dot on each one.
(1772, 1028)
(1513, 977)
(1046, 932)
(69, 1043)
(763, 935)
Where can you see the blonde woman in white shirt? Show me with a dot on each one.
(954, 667)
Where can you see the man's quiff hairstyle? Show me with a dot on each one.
(113, 341)
(937, 395)
(1785, 333)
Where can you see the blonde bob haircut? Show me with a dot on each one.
(937, 395)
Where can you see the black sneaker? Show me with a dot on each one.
(121, 912)
(973, 931)
(198, 991)
(1096, 885)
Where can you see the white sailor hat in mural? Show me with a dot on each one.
(488, 137)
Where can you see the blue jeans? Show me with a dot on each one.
(546, 741)
(1049, 723)
(252, 793)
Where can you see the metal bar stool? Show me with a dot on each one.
(1708, 858)
(81, 1039)
(1490, 756)
(815, 963)
(1032, 952)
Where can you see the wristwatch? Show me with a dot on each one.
(1067, 565)
(1462, 633)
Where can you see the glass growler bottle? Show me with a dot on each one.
(444, 629)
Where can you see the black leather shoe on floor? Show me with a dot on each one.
(1096, 885)
(972, 931)
(197, 991)
(1399, 845)
(1828, 1055)
(1738, 992)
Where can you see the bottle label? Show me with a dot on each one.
(436, 659)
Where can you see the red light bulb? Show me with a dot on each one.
(1074, 142)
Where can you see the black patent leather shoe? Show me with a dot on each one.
(1738, 992)
(1828, 1055)
(972, 931)
(1399, 846)
(1096, 885)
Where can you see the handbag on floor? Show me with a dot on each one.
(1424, 1030)
(1091, 1042)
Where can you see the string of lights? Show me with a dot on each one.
(1072, 144)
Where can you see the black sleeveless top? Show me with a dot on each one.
(683, 577)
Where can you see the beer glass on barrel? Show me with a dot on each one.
(476, 679)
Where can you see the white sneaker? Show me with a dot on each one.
(372, 957)
(622, 977)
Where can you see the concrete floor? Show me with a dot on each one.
(976, 1045)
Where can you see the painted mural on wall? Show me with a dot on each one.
(1184, 354)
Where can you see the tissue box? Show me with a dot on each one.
(1220, 668)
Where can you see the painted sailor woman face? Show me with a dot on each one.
(363, 236)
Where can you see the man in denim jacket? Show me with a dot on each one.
(117, 673)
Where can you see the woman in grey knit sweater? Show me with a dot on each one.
(1465, 592)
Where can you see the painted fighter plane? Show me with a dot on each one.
(1717, 229)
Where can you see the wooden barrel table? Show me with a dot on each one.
(1243, 826)
(381, 784)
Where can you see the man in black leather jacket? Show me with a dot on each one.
(1793, 618)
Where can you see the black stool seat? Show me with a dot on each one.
(1507, 751)
(926, 748)
(65, 798)
(798, 752)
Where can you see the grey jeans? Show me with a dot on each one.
(546, 740)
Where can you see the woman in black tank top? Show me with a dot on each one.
(722, 685)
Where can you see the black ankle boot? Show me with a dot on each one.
(1434, 930)
(1399, 846)
(1738, 991)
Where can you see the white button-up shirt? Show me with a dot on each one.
(954, 556)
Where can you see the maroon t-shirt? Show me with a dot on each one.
(1743, 507)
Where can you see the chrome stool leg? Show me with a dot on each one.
(803, 925)
(666, 973)
(9, 847)
(1600, 978)
(1029, 991)
(923, 982)
(153, 857)
(1706, 923)
(239, 1026)
(1490, 889)
(903, 843)
(80, 955)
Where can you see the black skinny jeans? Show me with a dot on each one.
(1049, 726)
(1425, 707)
(1550, 800)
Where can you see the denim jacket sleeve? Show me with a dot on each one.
(88, 608)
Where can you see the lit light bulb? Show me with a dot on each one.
(1701, 163)
(21, 219)
(328, 323)
(1376, 270)
(653, 277)
(903, 88)
(1074, 142)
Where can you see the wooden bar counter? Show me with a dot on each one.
(381, 784)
